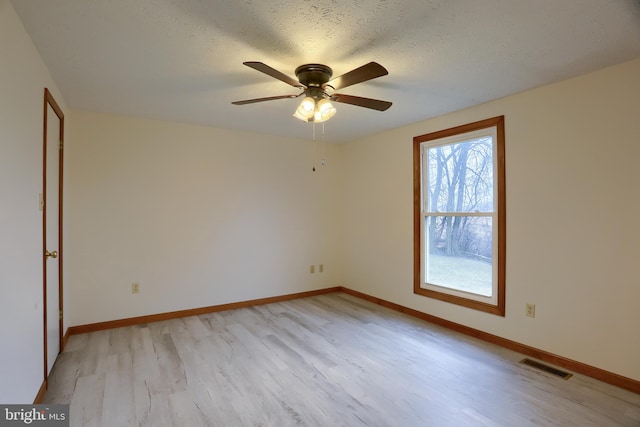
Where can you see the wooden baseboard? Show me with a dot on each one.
(41, 392)
(571, 365)
(92, 327)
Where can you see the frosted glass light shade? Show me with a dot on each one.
(324, 111)
(305, 110)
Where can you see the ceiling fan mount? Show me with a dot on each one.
(314, 75)
(318, 86)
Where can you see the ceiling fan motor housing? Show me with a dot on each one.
(313, 75)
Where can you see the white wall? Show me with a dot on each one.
(23, 77)
(572, 153)
(197, 216)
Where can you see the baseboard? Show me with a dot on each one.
(92, 327)
(41, 392)
(569, 364)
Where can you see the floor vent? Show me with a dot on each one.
(557, 372)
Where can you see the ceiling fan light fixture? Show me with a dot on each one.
(324, 111)
(306, 109)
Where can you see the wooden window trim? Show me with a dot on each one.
(499, 307)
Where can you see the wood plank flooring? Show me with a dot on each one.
(330, 360)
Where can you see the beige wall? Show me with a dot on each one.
(197, 216)
(23, 77)
(572, 152)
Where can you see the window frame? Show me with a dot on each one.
(456, 297)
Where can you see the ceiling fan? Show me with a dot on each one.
(315, 82)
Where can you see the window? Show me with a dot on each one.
(459, 215)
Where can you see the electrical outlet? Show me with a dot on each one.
(312, 269)
(320, 268)
(531, 310)
(135, 288)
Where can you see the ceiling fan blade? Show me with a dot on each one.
(269, 98)
(264, 68)
(361, 74)
(374, 104)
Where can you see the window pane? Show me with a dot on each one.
(460, 176)
(459, 253)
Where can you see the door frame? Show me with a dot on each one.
(49, 101)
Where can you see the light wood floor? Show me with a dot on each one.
(331, 360)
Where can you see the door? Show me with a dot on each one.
(53, 137)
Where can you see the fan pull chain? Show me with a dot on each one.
(313, 146)
(318, 145)
(324, 146)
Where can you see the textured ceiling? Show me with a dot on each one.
(181, 60)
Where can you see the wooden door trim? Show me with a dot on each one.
(49, 100)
